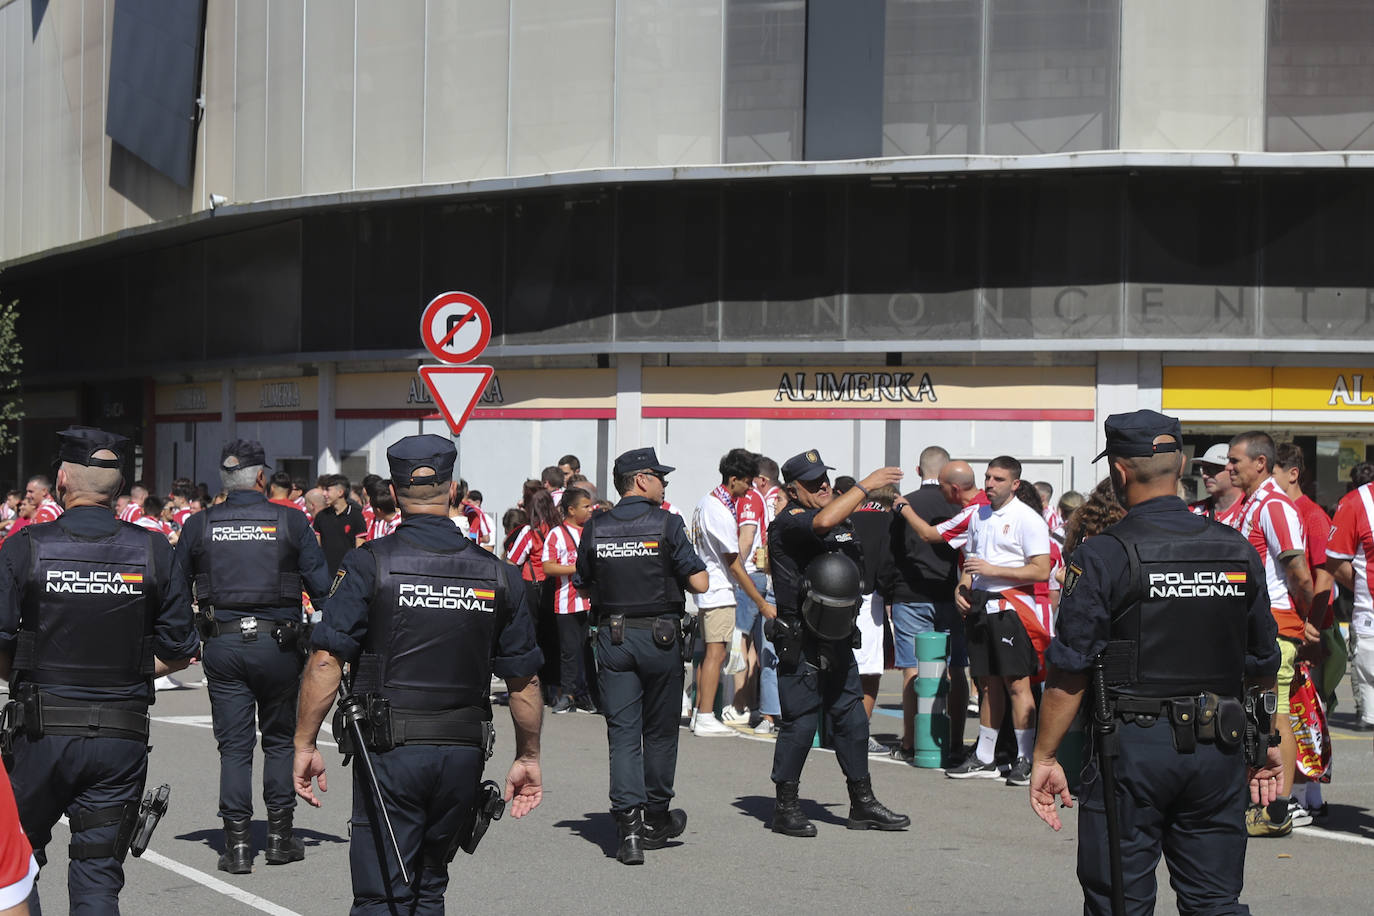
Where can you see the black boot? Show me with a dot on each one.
(662, 826)
(282, 845)
(631, 826)
(865, 811)
(787, 813)
(238, 847)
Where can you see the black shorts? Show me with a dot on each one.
(998, 646)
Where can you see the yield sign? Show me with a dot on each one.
(456, 389)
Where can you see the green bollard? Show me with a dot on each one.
(931, 722)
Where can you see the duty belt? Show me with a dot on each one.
(647, 623)
(36, 714)
(1205, 717)
(246, 627)
(448, 728)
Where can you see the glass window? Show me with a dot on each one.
(669, 264)
(784, 261)
(765, 78)
(1317, 281)
(1192, 256)
(387, 279)
(253, 291)
(558, 272)
(1320, 75)
(913, 259)
(1051, 82)
(1053, 257)
(465, 250)
(931, 73)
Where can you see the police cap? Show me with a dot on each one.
(806, 466)
(246, 453)
(641, 459)
(406, 456)
(78, 444)
(1132, 435)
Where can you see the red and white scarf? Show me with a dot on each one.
(724, 496)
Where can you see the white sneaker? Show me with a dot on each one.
(708, 726)
(687, 708)
(730, 717)
(765, 727)
(167, 682)
(1300, 815)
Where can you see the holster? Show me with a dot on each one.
(150, 812)
(786, 636)
(689, 637)
(1260, 707)
(615, 626)
(384, 728)
(205, 621)
(489, 806)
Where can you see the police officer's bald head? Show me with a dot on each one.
(89, 462)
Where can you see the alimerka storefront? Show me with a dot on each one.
(1329, 411)
(861, 415)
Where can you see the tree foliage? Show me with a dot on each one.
(11, 364)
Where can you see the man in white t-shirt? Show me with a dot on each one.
(1006, 547)
(715, 534)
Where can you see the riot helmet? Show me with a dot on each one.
(831, 588)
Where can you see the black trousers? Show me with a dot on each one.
(57, 775)
(1190, 806)
(641, 697)
(427, 790)
(253, 685)
(572, 651)
(805, 690)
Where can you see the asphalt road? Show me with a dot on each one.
(974, 847)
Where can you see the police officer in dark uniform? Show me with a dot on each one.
(817, 562)
(91, 613)
(635, 561)
(424, 617)
(247, 561)
(1168, 613)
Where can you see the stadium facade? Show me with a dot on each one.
(861, 225)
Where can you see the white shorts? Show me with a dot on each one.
(869, 656)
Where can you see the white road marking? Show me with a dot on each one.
(1333, 835)
(258, 903)
(205, 722)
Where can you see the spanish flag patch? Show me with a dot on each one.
(484, 593)
(1237, 577)
(131, 577)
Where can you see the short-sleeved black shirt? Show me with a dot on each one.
(174, 637)
(793, 544)
(1099, 580)
(339, 532)
(343, 627)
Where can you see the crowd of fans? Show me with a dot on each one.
(984, 564)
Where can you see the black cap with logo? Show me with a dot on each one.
(640, 459)
(806, 466)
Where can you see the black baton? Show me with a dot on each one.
(1106, 754)
(352, 709)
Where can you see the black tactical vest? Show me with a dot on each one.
(1182, 627)
(634, 565)
(87, 612)
(433, 621)
(245, 557)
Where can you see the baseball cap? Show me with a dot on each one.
(640, 459)
(1215, 456)
(1132, 435)
(806, 466)
(408, 455)
(78, 444)
(247, 453)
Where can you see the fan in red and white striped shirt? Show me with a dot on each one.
(39, 492)
(134, 510)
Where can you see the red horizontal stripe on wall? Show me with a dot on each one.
(491, 413)
(186, 418)
(853, 413)
(262, 416)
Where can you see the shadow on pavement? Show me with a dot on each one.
(760, 807)
(597, 828)
(214, 839)
(1349, 819)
